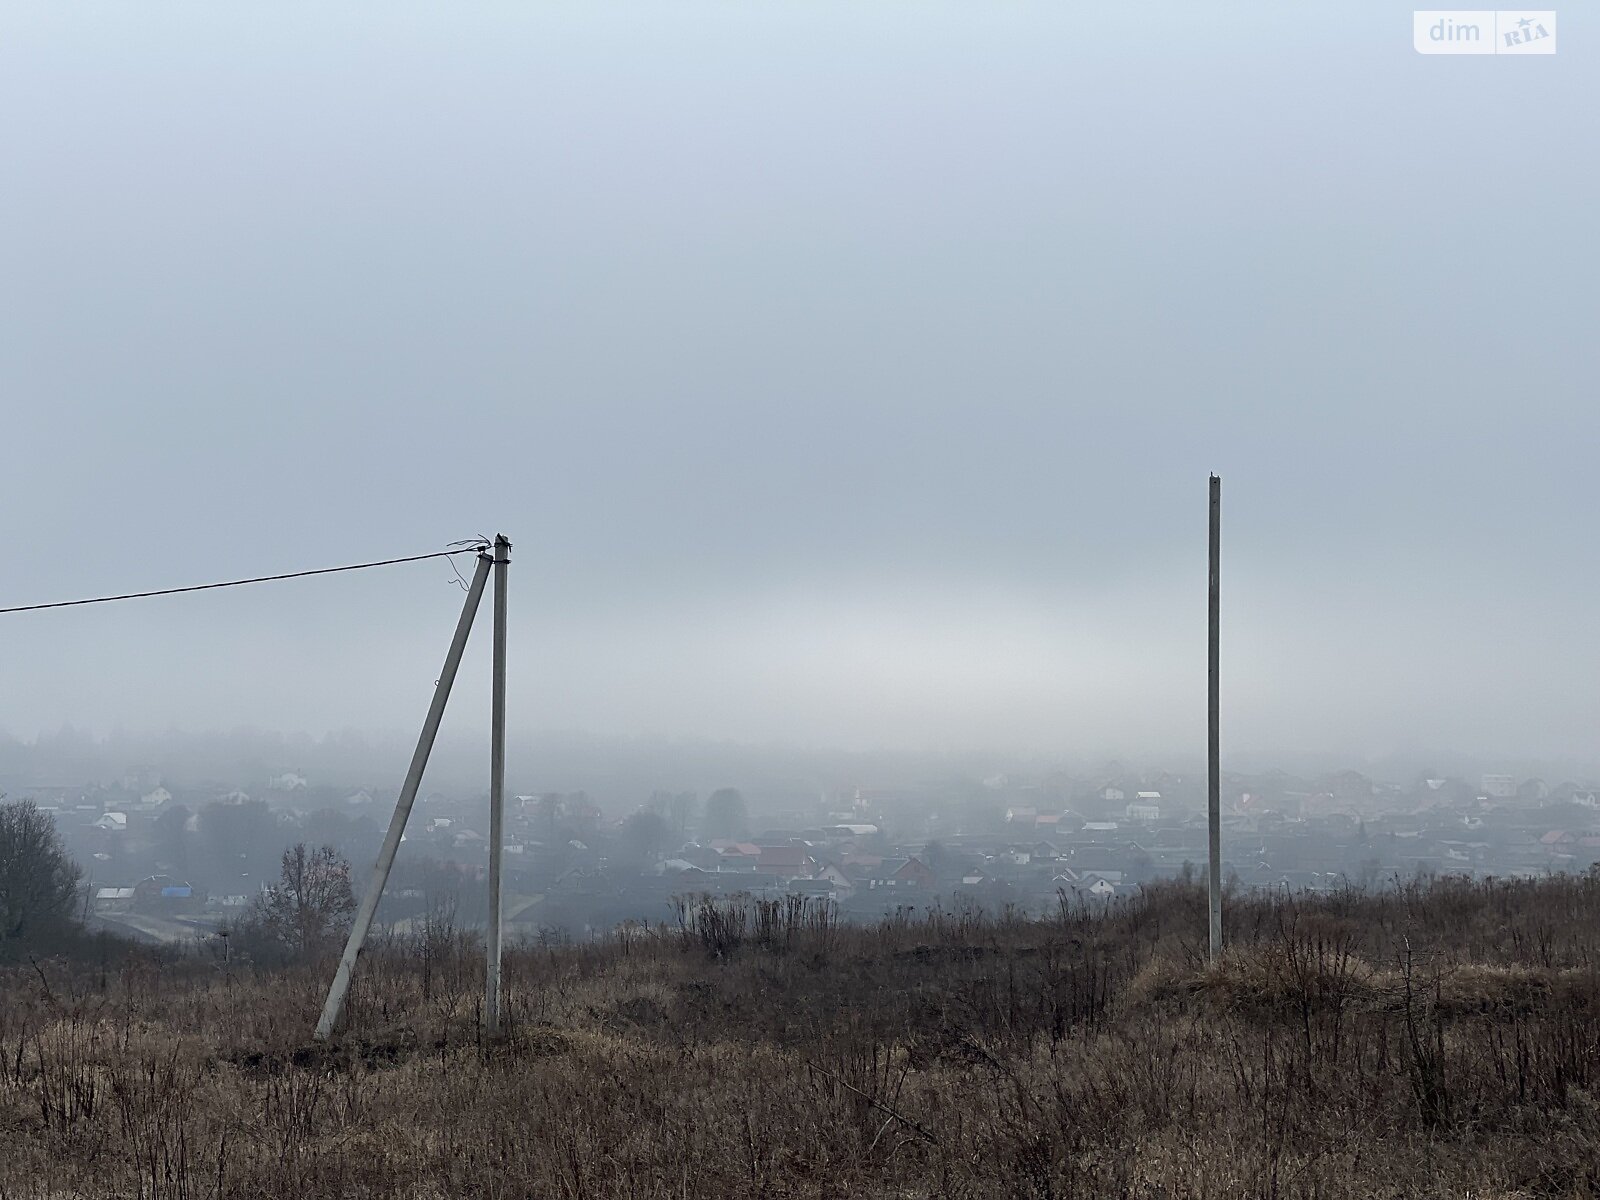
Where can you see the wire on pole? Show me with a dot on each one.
(462, 548)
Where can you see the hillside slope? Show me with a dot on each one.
(1439, 1040)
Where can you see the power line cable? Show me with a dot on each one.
(464, 548)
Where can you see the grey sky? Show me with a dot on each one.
(845, 373)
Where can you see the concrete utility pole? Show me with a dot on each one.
(402, 808)
(497, 787)
(1214, 767)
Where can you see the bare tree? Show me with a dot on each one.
(726, 815)
(38, 882)
(310, 906)
(679, 808)
(644, 836)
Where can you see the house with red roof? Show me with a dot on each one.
(895, 873)
(785, 862)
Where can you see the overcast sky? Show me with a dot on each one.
(845, 374)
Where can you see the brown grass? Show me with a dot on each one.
(1437, 1041)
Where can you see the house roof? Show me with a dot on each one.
(784, 856)
(812, 886)
(889, 868)
(1109, 876)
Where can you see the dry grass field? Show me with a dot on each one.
(1441, 1040)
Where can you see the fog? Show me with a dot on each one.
(845, 375)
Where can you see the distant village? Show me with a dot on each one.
(166, 863)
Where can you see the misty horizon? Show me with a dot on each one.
(624, 771)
